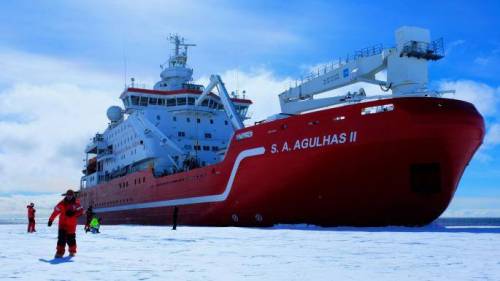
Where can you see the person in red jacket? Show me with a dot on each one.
(68, 210)
(31, 217)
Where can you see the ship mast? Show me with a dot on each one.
(177, 74)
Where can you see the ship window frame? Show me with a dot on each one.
(181, 101)
(171, 102)
(206, 148)
(161, 101)
(153, 101)
(190, 101)
(208, 135)
(135, 99)
(143, 101)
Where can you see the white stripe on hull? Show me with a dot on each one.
(192, 200)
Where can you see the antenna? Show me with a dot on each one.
(124, 64)
(125, 70)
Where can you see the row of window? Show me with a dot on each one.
(145, 101)
(205, 147)
(136, 181)
(183, 134)
(114, 202)
(199, 147)
(198, 120)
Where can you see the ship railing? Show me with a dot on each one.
(374, 50)
(138, 85)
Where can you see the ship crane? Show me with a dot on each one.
(406, 66)
(232, 114)
(142, 124)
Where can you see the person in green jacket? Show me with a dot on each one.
(94, 225)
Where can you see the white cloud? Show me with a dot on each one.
(473, 207)
(261, 86)
(453, 45)
(55, 106)
(33, 69)
(493, 135)
(482, 61)
(484, 97)
(14, 206)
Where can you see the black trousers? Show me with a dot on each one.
(64, 238)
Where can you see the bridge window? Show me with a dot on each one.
(181, 101)
(135, 100)
(242, 110)
(171, 102)
(161, 101)
(206, 148)
(144, 101)
(204, 102)
(191, 101)
(153, 101)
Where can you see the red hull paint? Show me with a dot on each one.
(364, 181)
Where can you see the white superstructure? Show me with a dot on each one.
(176, 126)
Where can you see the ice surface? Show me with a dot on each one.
(279, 253)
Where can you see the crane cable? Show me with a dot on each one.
(385, 89)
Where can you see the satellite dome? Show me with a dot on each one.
(115, 113)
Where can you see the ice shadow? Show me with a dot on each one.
(57, 261)
(428, 228)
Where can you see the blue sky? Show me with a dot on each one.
(66, 58)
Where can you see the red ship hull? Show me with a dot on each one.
(330, 167)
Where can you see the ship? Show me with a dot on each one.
(187, 153)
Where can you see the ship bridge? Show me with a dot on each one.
(184, 99)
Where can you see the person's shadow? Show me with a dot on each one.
(58, 260)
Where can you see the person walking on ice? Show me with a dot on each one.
(68, 210)
(31, 217)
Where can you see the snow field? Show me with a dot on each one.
(230, 253)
